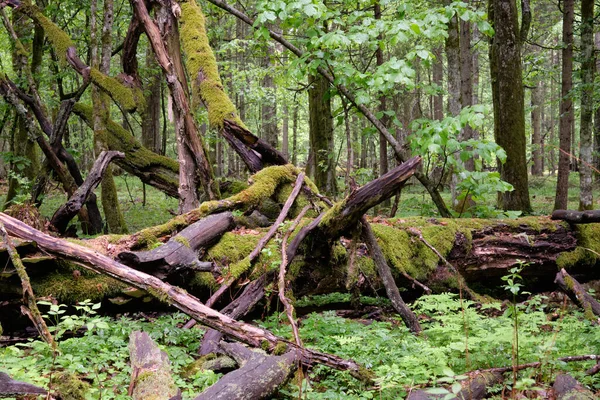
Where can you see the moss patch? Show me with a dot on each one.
(202, 67)
(70, 288)
(57, 37)
(124, 96)
(588, 240)
(70, 387)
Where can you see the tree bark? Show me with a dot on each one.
(508, 99)
(578, 294)
(67, 211)
(588, 65)
(536, 126)
(566, 108)
(321, 136)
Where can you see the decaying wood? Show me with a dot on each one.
(258, 377)
(491, 251)
(474, 388)
(10, 388)
(577, 217)
(409, 318)
(190, 305)
(262, 242)
(238, 308)
(151, 369)
(577, 293)
(29, 299)
(187, 130)
(67, 211)
(181, 251)
(567, 388)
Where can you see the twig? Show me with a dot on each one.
(289, 308)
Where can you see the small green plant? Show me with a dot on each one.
(513, 285)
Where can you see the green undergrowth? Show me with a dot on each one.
(403, 361)
(400, 360)
(101, 358)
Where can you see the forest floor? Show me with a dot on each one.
(458, 335)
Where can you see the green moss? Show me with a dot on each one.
(280, 348)
(203, 280)
(366, 266)
(201, 62)
(57, 37)
(110, 204)
(183, 241)
(232, 248)
(70, 387)
(234, 187)
(237, 269)
(137, 157)
(265, 183)
(123, 95)
(588, 245)
(67, 288)
(159, 294)
(264, 345)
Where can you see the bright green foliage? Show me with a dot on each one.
(101, 356)
(402, 360)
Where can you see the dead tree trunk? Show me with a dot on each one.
(67, 211)
(577, 293)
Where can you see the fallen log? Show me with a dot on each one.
(577, 217)
(257, 378)
(181, 251)
(177, 297)
(67, 211)
(151, 369)
(10, 388)
(577, 293)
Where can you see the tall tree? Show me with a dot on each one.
(508, 99)
(566, 107)
(587, 104)
(383, 145)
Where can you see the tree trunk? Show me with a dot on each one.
(268, 103)
(588, 65)
(508, 99)
(321, 135)
(438, 78)
(566, 108)
(536, 125)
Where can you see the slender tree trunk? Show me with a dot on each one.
(553, 152)
(536, 124)
(453, 58)
(285, 131)
(151, 120)
(466, 81)
(269, 105)
(587, 105)
(566, 107)
(295, 135)
(597, 111)
(508, 99)
(321, 135)
(438, 78)
(383, 145)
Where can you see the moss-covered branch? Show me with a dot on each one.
(128, 98)
(265, 183)
(153, 169)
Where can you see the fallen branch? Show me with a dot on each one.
(67, 211)
(177, 297)
(9, 387)
(181, 251)
(150, 369)
(409, 318)
(29, 299)
(577, 217)
(258, 377)
(577, 293)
